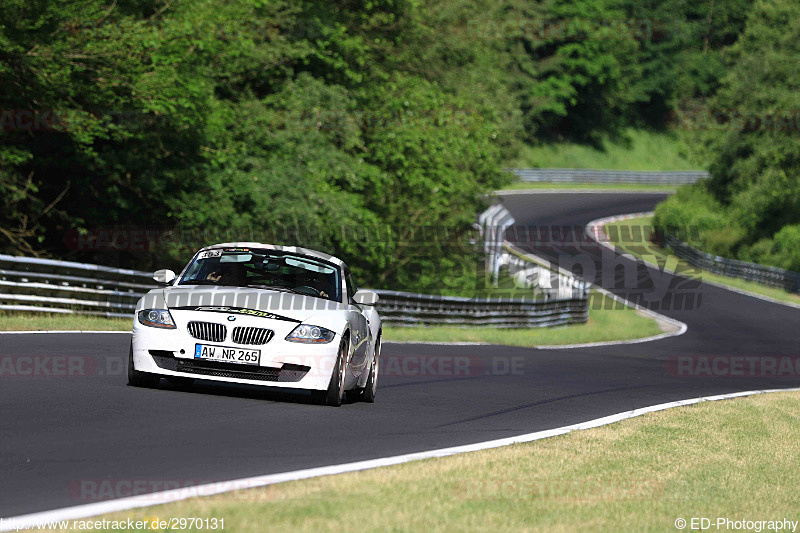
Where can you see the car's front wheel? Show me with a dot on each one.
(335, 393)
(140, 379)
(371, 388)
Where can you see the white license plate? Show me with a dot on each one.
(224, 354)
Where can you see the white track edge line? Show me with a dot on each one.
(211, 489)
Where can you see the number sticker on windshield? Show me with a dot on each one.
(210, 253)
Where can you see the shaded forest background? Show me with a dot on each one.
(372, 129)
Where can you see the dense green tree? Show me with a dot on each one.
(305, 122)
(302, 121)
(752, 142)
(573, 67)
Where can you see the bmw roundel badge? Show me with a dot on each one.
(231, 318)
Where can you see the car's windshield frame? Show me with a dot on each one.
(189, 275)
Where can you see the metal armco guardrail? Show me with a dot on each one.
(402, 308)
(580, 175)
(45, 285)
(32, 284)
(766, 275)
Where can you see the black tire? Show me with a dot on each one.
(335, 393)
(140, 379)
(371, 388)
(354, 395)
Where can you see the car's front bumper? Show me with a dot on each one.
(171, 353)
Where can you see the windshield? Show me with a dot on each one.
(268, 269)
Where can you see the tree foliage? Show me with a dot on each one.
(348, 126)
(753, 143)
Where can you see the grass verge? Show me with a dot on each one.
(630, 236)
(607, 322)
(637, 150)
(61, 321)
(612, 187)
(730, 459)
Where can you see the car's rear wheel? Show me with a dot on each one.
(140, 379)
(371, 388)
(335, 393)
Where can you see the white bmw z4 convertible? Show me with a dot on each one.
(259, 314)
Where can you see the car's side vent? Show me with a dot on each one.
(207, 331)
(251, 335)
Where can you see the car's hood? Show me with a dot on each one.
(238, 299)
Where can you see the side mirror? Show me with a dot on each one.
(365, 297)
(164, 276)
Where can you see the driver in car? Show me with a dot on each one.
(315, 283)
(228, 274)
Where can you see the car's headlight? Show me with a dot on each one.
(310, 334)
(156, 318)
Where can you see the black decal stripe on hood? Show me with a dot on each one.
(235, 311)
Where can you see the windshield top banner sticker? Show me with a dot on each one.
(209, 253)
(237, 311)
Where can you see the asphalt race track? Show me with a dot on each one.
(85, 436)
